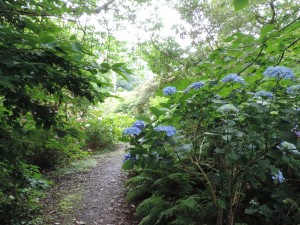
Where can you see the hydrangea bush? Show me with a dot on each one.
(239, 143)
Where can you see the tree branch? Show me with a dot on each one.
(282, 54)
(271, 3)
(253, 61)
(31, 13)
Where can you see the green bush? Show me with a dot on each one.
(21, 188)
(138, 101)
(102, 130)
(237, 149)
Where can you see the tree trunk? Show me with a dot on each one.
(220, 216)
(231, 215)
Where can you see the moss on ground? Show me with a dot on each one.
(70, 201)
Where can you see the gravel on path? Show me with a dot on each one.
(97, 197)
(104, 196)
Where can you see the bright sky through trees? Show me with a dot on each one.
(138, 29)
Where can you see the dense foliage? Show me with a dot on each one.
(49, 75)
(235, 159)
(224, 149)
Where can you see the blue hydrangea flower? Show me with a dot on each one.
(169, 90)
(279, 72)
(292, 90)
(170, 131)
(233, 78)
(264, 94)
(278, 177)
(297, 133)
(196, 86)
(132, 131)
(139, 124)
(128, 156)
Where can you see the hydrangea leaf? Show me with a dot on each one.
(184, 148)
(156, 111)
(127, 165)
(240, 4)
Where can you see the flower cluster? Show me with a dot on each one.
(228, 108)
(169, 90)
(278, 177)
(264, 94)
(233, 78)
(170, 131)
(292, 90)
(196, 86)
(132, 131)
(279, 72)
(128, 156)
(139, 124)
(136, 128)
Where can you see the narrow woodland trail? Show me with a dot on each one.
(95, 197)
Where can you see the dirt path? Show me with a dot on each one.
(95, 197)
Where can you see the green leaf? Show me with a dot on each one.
(157, 112)
(221, 203)
(184, 147)
(266, 29)
(127, 165)
(251, 210)
(60, 50)
(143, 118)
(3, 3)
(80, 48)
(190, 202)
(117, 65)
(240, 4)
(104, 67)
(124, 139)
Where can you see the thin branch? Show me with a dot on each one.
(263, 46)
(271, 3)
(294, 21)
(253, 61)
(282, 55)
(210, 186)
(104, 7)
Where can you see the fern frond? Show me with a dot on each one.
(167, 214)
(138, 180)
(150, 210)
(175, 185)
(181, 220)
(137, 194)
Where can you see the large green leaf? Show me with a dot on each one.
(157, 112)
(240, 4)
